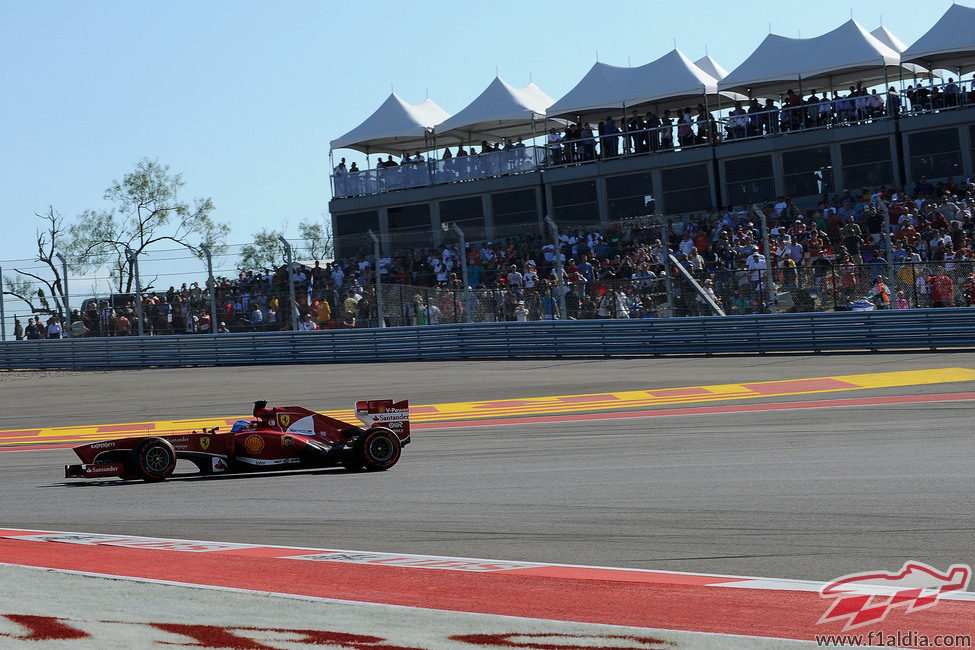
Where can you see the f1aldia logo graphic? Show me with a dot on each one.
(865, 598)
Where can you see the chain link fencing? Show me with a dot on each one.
(767, 259)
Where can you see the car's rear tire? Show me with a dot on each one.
(152, 460)
(377, 449)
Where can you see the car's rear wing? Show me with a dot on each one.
(386, 413)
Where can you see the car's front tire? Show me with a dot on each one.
(152, 460)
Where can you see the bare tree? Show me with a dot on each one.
(42, 289)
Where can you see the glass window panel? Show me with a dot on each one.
(934, 142)
(515, 202)
(410, 217)
(466, 209)
(574, 193)
(355, 223)
(865, 151)
(745, 169)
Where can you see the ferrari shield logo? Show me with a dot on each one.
(205, 443)
(285, 420)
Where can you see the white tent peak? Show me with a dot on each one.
(887, 37)
(949, 44)
(712, 67)
(394, 127)
(847, 53)
(673, 79)
(501, 110)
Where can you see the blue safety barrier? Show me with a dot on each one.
(914, 329)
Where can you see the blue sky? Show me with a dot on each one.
(243, 98)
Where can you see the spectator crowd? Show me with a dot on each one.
(832, 257)
(638, 133)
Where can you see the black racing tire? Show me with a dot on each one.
(152, 460)
(377, 449)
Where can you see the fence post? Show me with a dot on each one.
(64, 287)
(134, 260)
(890, 252)
(766, 244)
(832, 270)
(379, 283)
(665, 260)
(211, 288)
(3, 314)
(463, 271)
(558, 262)
(291, 283)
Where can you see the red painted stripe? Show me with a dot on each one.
(799, 386)
(680, 392)
(780, 614)
(705, 410)
(125, 428)
(622, 575)
(20, 433)
(581, 417)
(585, 399)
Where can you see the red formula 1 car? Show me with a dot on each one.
(277, 438)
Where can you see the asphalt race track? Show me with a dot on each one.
(808, 494)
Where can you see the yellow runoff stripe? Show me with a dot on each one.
(552, 405)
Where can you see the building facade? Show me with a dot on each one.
(803, 165)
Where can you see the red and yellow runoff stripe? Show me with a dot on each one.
(523, 407)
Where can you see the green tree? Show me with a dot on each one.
(265, 252)
(146, 211)
(316, 240)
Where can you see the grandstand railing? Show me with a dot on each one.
(922, 329)
(704, 130)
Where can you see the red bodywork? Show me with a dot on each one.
(279, 437)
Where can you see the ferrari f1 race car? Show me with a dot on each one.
(277, 438)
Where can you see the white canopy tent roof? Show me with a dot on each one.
(847, 54)
(887, 37)
(669, 82)
(950, 44)
(712, 67)
(394, 127)
(501, 111)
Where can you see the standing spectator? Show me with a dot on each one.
(942, 290)
(880, 293)
(554, 146)
(350, 305)
(685, 128)
(122, 325)
(54, 327)
(308, 324)
(757, 268)
(18, 330)
(610, 139)
(30, 333)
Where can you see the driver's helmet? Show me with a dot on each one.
(240, 425)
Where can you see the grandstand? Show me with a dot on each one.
(847, 110)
